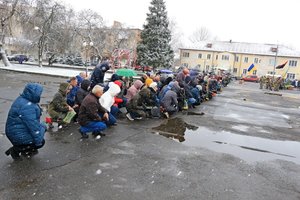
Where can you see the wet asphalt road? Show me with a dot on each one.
(235, 151)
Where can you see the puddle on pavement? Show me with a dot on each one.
(248, 148)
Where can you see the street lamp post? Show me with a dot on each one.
(87, 47)
(275, 61)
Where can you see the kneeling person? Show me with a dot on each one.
(23, 126)
(92, 115)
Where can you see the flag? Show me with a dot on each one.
(251, 67)
(281, 66)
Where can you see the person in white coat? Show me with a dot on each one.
(107, 100)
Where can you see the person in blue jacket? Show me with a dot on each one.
(23, 127)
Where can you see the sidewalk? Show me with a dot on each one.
(49, 71)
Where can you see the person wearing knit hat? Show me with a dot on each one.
(148, 82)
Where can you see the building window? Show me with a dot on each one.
(185, 64)
(207, 68)
(225, 57)
(199, 55)
(186, 54)
(236, 59)
(271, 72)
(244, 71)
(235, 70)
(293, 63)
(255, 60)
(272, 62)
(246, 60)
(290, 76)
(217, 57)
(254, 72)
(208, 56)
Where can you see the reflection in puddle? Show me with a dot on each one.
(251, 149)
(174, 128)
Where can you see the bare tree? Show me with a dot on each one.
(43, 22)
(176, 41)
(201, 34)
(7, 11)
(90, 28)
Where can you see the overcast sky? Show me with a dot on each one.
(260, 21)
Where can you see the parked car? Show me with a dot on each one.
(17, 57)
(251, 78)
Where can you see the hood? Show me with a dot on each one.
(114, 77)
(175, 88)
(113, 89)
(104, 66)
(32, 92)
(85, 84)
(63, 88)
(138, 84)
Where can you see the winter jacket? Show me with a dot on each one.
(59, 104)
(169, 101)
(180, 78)
(145, 97)
(165, 89)
(133, 90)
(72, 95)
(108, 98)
(79, 80)
(23, 125)
(82, 92)
(89, 110)
(98, 73)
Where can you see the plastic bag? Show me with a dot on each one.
(69, 117)
(185, 105)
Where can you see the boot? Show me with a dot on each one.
(13, 153)
(83, 135)
(96, 133)
(30, 153)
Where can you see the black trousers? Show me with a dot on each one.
(28, 147)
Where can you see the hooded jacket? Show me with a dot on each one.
(133, 90)
(98, 73)
(169, 101)
(82, 92)
(23, 125)
(59, 104)
(108, 98)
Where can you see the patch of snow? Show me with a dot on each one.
(98, 172)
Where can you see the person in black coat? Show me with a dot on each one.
(82, 92)
(98, 74)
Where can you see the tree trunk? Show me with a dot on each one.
(4, 57)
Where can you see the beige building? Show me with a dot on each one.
(237, 57)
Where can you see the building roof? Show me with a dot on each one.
(244, 48)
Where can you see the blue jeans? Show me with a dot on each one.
(114, 111)
(191, 101)
(112, 120)
(93, 126)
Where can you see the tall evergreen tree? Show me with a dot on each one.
(154, 49)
